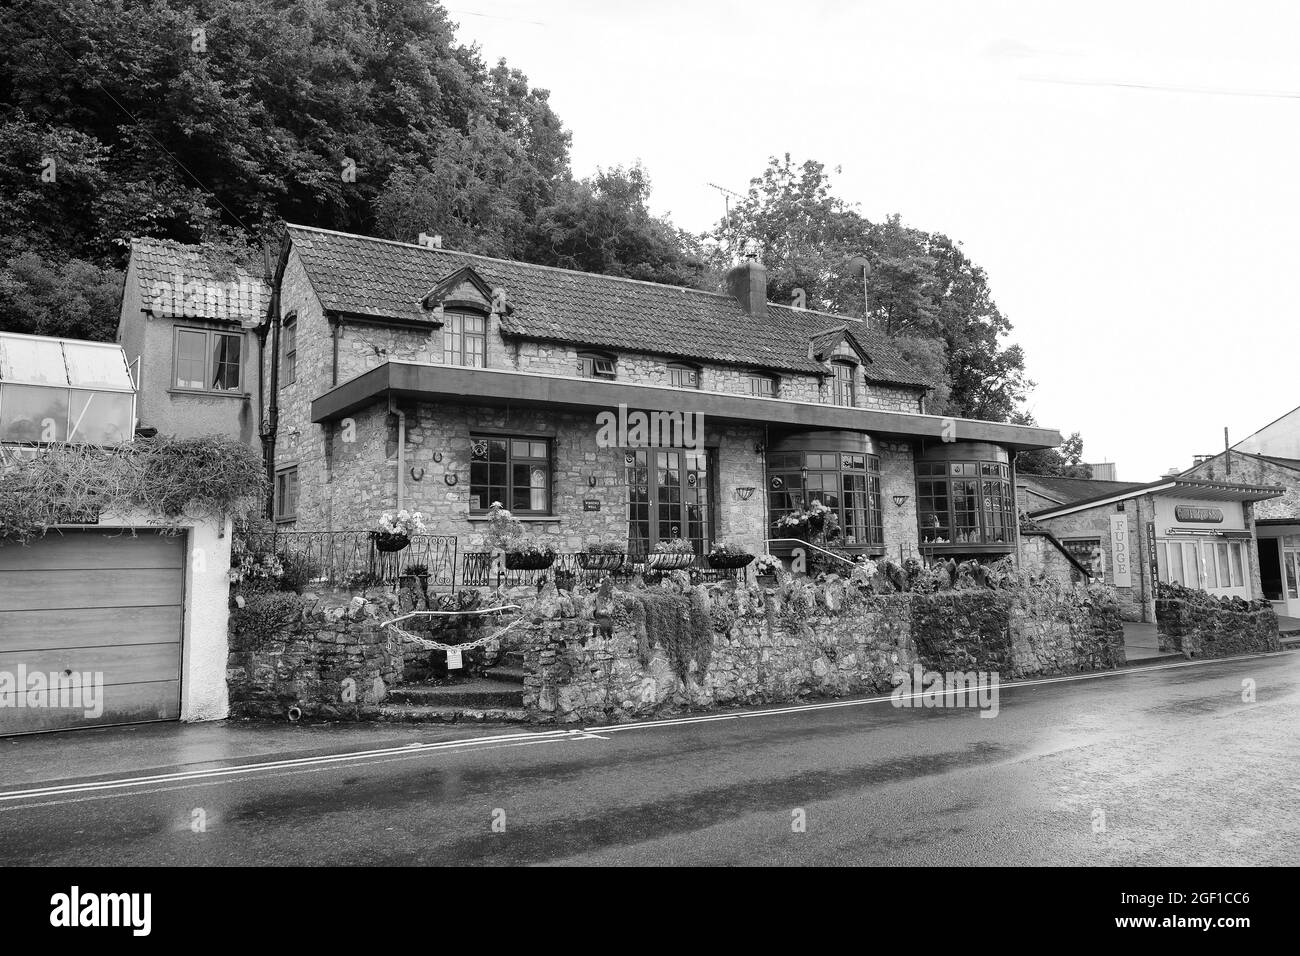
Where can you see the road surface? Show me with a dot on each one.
(1166, 766)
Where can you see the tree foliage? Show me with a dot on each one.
(1064, 461)
(923, 289)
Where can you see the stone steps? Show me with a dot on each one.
(476, 693)
(508, 673)
(430, 714)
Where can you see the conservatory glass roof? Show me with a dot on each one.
(35, 360)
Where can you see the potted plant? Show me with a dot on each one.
(728, 556)
(602, 556)
(394, 530)
(765, 569)
(669, 555)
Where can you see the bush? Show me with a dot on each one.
(261, 617)
(298, 571)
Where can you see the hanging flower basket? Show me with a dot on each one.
(600, 561)
(529, 560)
(668, 561)
(729, 562)
(388, 542)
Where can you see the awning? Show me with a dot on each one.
(442, 383)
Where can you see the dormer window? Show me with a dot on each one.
(761, 386)
(464, 339)
(845, 383)
(683, 376)
(596, 365)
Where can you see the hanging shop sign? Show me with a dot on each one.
(1120, 560)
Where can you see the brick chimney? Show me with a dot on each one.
(747, 281)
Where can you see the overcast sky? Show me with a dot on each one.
(1128, 173)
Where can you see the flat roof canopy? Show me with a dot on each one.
(442, 383)
(1193, 488)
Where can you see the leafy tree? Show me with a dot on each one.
(1064, 461)
(603, 225)
(922, 287)
(73, 299)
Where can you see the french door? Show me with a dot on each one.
(668, 497)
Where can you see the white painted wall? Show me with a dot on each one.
(207, 609)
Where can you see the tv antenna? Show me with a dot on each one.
(726, 200)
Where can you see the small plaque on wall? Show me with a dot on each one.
(590, 504)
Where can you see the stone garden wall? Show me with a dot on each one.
(611, 655)
(1196, 624)
(759, 646)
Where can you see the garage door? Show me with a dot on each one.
(90, 630)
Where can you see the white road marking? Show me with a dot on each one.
(153, 780)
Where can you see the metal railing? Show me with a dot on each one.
(478, 569)
(350, 558)
(800, 543)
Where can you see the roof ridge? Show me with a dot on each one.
(726, 297)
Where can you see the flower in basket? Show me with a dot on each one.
(728, 554)
(767, 564)
(529, 553)
(405, 523)
(602, 556)
(676, 553)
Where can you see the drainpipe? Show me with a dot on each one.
(272, 423)
(401, 450)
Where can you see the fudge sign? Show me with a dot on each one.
(1193, 515)
(1121, 559)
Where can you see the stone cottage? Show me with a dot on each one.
(598, 408)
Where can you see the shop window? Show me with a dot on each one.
(683, 376)
(207, 360)
(464, 339)
(1204, 565)
(595, 365)
(965, 502)
(515, 471)
(847, 483)
(286, 494)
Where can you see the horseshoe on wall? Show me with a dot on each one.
(451, 480)
(417, 477)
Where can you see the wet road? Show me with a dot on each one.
(1165, 767)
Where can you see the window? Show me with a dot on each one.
(208, 361)
(286, 494)
(846, 392)
(847, 483)
(1205, 565)
(513, 471)
(965, 502)
(289, 349)
(1087, 551)
(763, 386)
(683, 376)
(594, 365)
(464, 339)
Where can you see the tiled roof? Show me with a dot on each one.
(385, 279)
(1069, 490)
(162, 264)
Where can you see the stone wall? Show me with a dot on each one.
(1197, 624)
(804, 640)
(308, 660)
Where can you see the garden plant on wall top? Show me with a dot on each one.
(523, 552)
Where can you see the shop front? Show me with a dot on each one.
(1203, 545)
(1278, 543)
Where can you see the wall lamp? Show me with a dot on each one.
(744, 494)
(900, 500)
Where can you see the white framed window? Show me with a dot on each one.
(206, 360)
(464, 339)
